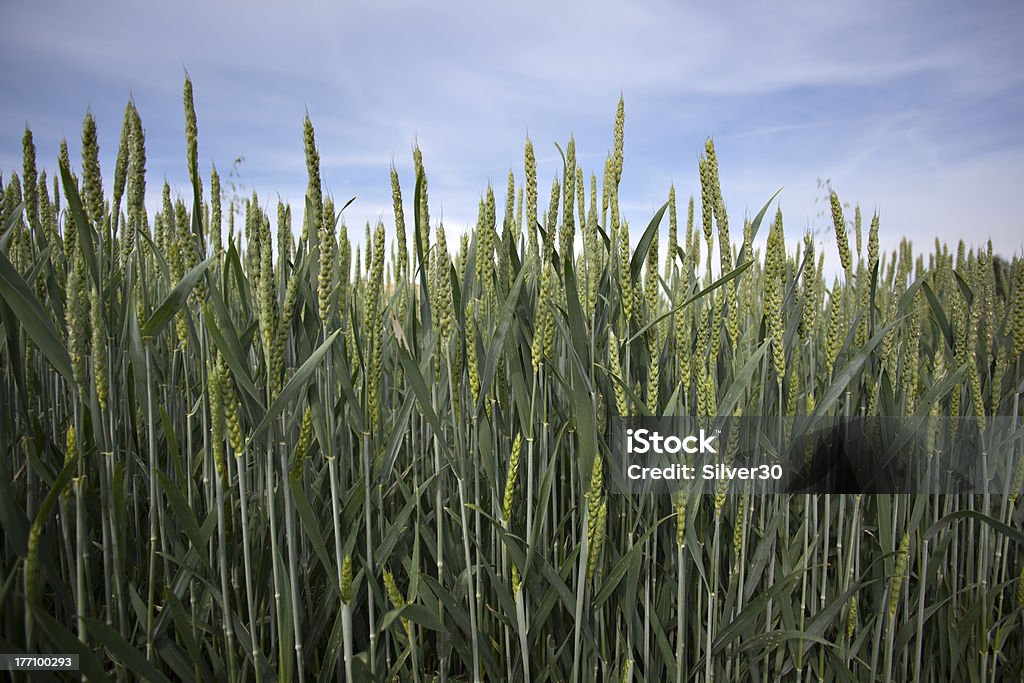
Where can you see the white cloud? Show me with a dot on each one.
(883, 99)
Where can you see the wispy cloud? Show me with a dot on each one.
(903, 105)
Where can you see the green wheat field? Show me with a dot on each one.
(237, 454)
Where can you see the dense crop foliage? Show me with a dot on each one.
(230, 454)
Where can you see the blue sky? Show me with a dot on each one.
(911, 108)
